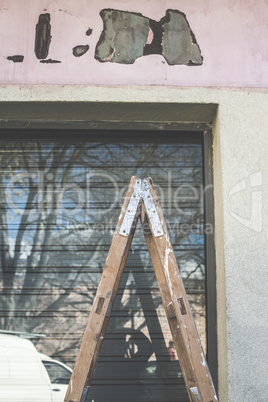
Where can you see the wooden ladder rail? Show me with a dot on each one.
(100, 312)
(192, 360)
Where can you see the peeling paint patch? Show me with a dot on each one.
(127, 36)
(123, 37)
(50, 61)
(89, 32)
(79, 50)
(16, 58)
(179, 43)
(42, 36)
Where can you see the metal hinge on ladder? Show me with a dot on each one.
(141, 192)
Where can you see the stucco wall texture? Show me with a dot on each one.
(241, 194)
(230, 33)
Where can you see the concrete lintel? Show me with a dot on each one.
(89, 114)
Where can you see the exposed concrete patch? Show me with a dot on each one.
(79, 50)
(179, 43)
(42, 36)
(127, 36)
(123, 37)
(16, 58)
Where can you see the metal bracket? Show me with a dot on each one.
(131, 209)
(84, 394)
(141, 192)
(151, 210)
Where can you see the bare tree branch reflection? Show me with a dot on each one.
(54, 241)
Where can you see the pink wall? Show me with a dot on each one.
(232, 35)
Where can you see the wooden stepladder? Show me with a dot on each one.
(141, 201)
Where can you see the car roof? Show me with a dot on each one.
(13, 340)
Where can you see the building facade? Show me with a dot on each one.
(173, 90)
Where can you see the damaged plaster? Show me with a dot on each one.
(127, 36)
(79, 50)
(89, 31)
(179, 43)
(50, 61)
(42, 36)
(123, 37)
(18, 58)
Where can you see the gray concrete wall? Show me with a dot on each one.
(241, 196)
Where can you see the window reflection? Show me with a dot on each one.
(60, 201)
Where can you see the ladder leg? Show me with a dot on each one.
(186, 340)
(183, 357)
(101, 308)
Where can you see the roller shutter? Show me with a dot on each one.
(61, 194)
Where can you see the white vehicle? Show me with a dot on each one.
(59, 375)
(24, 373)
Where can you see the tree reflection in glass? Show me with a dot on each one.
(60, 202)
